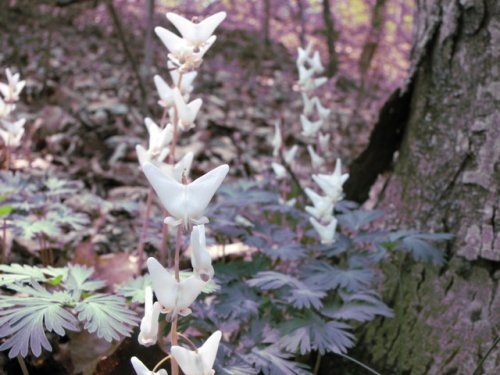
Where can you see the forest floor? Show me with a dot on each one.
(85, 112)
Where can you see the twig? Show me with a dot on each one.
(480, 364)
(161, 362)
(119, 29)
(173, 338)
(358, 363)
(22, 364)
(142, 239)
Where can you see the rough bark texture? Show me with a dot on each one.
(447, 178)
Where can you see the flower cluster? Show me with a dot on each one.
(313, 118)
(11, 131)
(184, 202)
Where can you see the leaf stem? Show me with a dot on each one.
(358, 363)
(185, 338)
(318, 362)
(145, 225)
(178, 244)
(480, 364)
(22, 364)
(173, 339)
(161, 362)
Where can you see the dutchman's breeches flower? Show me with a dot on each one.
(200, 258)
(201, 361)
(149, 323)
(185, 203)
(174, 296)
(141, 369)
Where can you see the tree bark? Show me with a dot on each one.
(446, 178)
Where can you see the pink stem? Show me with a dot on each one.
(145, 225)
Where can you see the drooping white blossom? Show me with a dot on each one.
(141, 369)
(148, 334)
(315, 63)
(277, 140)
(182, 53)
(186, 82)
(324, 140)
(303, 54)
(181, 169)
(290, 154)
(310, 128)
(165, 92)
(316, 160)
(13, 88)
(196, 34)
(279, 171)
(326, 232)
(185, 202)
(158, 141)
(12, 132)
(174, 296)
(186, 112)
(201, 361)
(324, 112)
(5, 108)
(200, 257)
(322, 208)
(308, 104)
(332, 184)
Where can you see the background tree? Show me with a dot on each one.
(445, 122)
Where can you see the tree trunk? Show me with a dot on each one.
(331, 67)
(446, 178)
(266, 22)
(373, 38)
(148, 43)
(301, 15)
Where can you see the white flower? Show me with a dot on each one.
(174, 296)
(186, 112)
(158, 141)
(289, 155)
(201, 361)
(322, 206)
(186, 81)
(277, 140)
(164, 91)
(180, 169)
(332, 184)
(12, 132)
(303, 54)
(305, 76)
(315, 63)
(5, 109)
(309, 128)
(316, 160)
(200, 258)
(324, 140)
(182, 53)
(324, 113)
(141, 369)
(185, 203)
(279, 170)
(149, 323)
(308, 104)
(306, 80)
(196, 34)
(326, 232)
(13, 88)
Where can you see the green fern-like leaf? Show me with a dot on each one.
(24, 319)
(106, 315)
(17, 273)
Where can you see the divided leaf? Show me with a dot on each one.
(106, 315)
